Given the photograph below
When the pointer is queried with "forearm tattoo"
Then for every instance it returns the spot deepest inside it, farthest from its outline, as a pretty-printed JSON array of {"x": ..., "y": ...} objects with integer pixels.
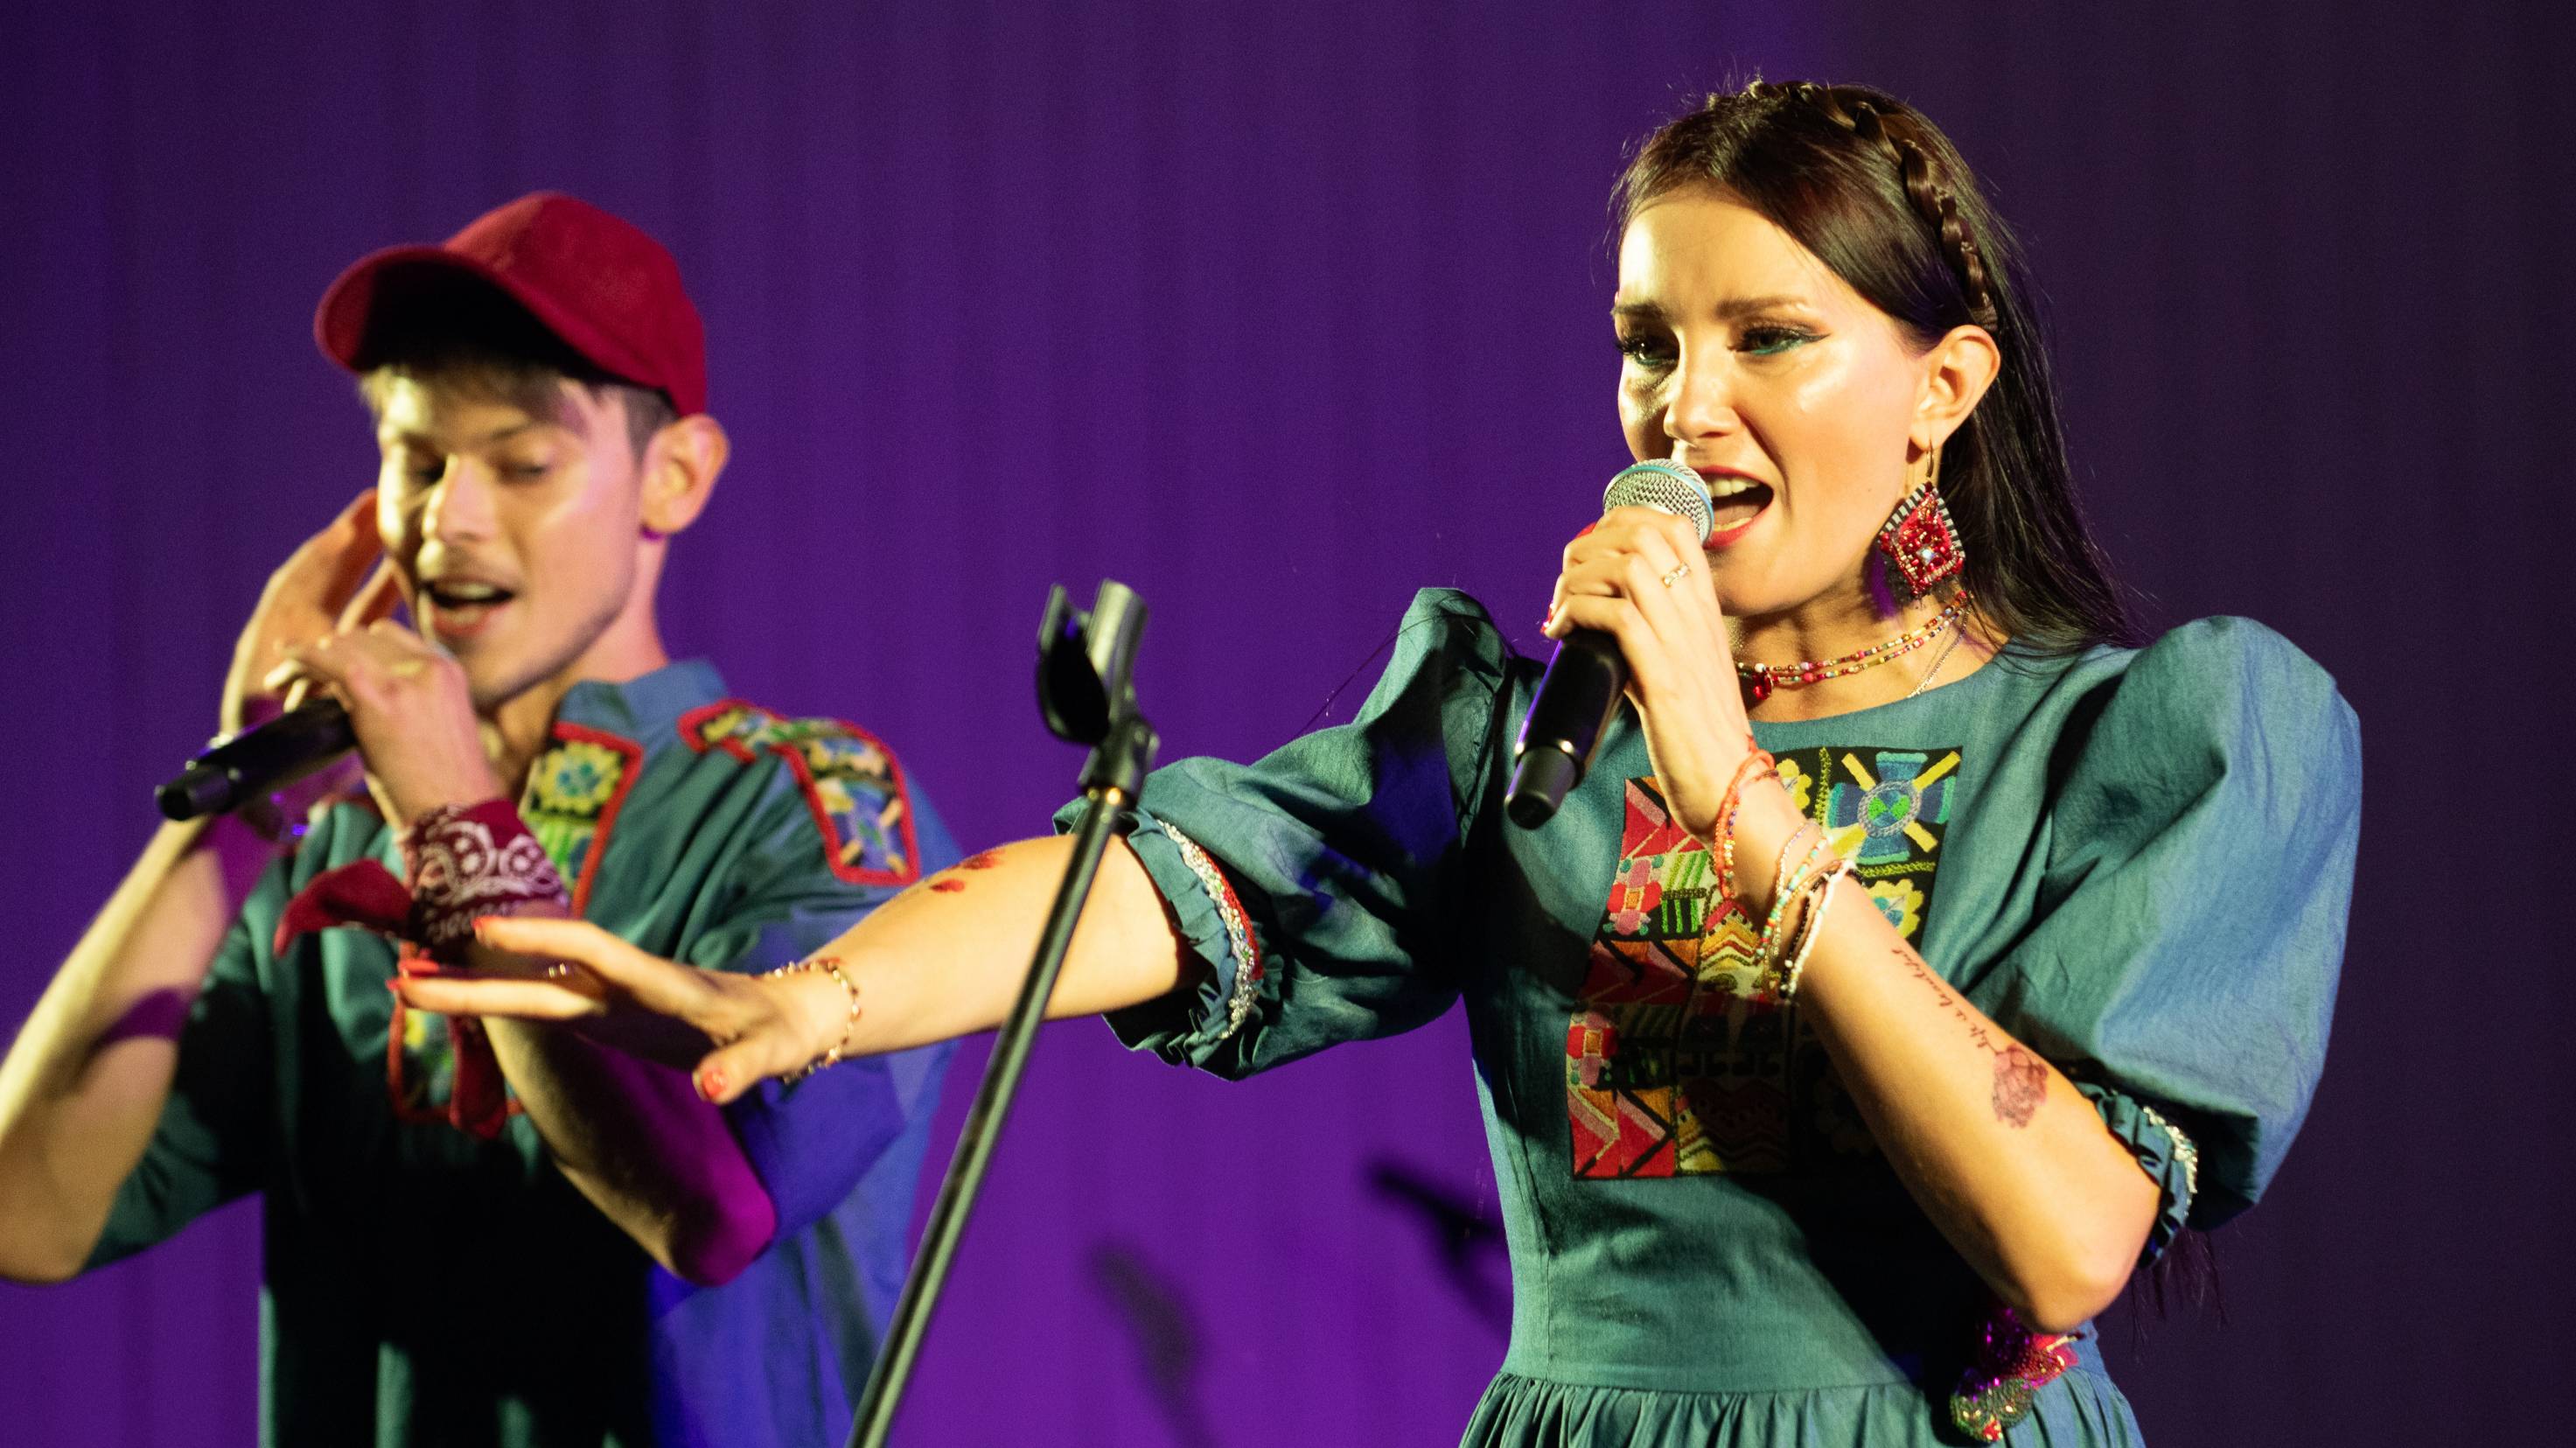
[
  {"x": 2021, "y": 1079},
  {"x": 948, "y": 882}
]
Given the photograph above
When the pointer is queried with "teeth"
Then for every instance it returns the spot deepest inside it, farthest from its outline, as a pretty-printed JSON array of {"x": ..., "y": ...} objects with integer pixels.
[{"x": 466, "y": 592}]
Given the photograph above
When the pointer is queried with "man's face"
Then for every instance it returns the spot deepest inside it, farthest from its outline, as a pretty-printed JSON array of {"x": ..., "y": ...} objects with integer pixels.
[{"x": 515, "y": 534}]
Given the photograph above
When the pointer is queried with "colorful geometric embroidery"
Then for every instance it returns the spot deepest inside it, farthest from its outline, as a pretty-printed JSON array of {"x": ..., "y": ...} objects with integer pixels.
[
  {"x": 1885, "y": 811},
  {"x": 1674, "y": 1066},
  {"x": 851, "y": 781},
  {"x": 573, "y": 794}
]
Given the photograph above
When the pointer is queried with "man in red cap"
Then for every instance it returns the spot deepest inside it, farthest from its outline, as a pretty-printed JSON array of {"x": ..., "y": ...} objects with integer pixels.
[{"x": 502, "y": 1234}]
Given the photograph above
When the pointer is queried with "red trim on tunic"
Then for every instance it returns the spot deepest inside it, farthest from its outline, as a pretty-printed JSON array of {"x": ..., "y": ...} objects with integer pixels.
[
  {"x": 633, "y": 754},
  {"x": 692, "y": 733}
]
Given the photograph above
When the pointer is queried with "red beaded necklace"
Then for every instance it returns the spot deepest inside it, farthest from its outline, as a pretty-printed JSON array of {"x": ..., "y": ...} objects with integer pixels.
[{"x": 1763, "y": 680}]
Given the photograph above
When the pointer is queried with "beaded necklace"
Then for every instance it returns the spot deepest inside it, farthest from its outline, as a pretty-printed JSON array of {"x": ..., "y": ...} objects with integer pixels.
[{"x": 1763, "y": 680}]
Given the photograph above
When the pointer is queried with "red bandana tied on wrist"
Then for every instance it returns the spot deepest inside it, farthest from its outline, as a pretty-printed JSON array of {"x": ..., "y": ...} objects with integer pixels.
[{"x": 464, "y": 861}]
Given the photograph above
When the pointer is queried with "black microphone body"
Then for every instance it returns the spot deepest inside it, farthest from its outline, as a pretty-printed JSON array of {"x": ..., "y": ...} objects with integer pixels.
[
  {"x": 1583, "y": 682},
  {"x": 247, "y": 765}
]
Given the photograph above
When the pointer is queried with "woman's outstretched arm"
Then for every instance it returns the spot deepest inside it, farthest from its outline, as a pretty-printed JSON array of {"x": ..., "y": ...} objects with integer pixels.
[{"x": 943, "y": 959}]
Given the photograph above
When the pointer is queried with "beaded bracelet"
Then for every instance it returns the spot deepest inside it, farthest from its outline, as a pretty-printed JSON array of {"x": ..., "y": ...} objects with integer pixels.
[
  {"x": 1785, "y": 988},
  {"x": 1780, "y": 862},
  {"x": 1784, "y": 896},
  {"x": 1745, "y": 773},
  {"x": 831, "y": 966}
]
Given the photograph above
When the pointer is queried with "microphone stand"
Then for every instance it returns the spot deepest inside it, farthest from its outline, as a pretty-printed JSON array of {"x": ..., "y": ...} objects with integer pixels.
[{"x": 1086, "y": 690}]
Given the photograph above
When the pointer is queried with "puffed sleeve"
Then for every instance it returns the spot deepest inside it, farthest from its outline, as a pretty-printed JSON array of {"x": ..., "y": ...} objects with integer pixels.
[
  {"x": 1317, "y": 886},
  {"x": 2198, "y": 874}
]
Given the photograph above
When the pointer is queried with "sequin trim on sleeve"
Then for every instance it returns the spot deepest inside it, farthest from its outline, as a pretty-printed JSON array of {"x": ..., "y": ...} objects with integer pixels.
[
  {"x": 2185, "y": 1150},
  {"x": 1238, "y": 929},
  {"x": 2013, "y": 1363}
]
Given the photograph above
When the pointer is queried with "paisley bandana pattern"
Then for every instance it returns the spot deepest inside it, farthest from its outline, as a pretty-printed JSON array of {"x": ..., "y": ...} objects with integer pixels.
[{"x": 464, "y": 862}]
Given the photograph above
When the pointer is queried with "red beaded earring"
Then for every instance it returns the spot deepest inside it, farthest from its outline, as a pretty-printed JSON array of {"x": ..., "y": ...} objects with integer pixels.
[{"x": 1919, "y": 545}]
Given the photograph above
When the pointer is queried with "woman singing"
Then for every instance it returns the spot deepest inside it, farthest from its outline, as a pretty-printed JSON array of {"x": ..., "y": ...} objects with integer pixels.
[{"x": 1917, "y": 955}]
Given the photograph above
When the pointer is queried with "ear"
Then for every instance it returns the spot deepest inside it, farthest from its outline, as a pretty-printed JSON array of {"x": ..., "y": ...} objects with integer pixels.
[
  {"x": 680, "y": 466},
  {"x": 1956, "y": 371}
]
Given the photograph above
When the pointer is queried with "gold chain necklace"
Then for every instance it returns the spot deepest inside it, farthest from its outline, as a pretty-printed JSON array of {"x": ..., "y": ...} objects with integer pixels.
[{"x": 1938, "y": 660}]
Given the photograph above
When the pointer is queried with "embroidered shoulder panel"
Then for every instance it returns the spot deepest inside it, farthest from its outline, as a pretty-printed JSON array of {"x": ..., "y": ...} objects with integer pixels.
[
  {"x": 852, "y": 782},
  {"x": 1673, "y": 1065}
]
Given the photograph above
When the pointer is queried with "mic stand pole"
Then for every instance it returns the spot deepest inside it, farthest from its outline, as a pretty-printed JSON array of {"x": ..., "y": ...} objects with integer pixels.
[{"x": 1087, "y": 693}]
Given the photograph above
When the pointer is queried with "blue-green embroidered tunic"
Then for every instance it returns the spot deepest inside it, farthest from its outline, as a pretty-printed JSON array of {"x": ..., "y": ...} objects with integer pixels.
[
  {"x": 2137, "y": 861},
  {"x": 425, "y": 1287}
]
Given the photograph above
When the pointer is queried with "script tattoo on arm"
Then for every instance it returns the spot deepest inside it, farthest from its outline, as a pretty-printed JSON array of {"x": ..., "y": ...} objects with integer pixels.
[{"x": 2021, "y": 1079}]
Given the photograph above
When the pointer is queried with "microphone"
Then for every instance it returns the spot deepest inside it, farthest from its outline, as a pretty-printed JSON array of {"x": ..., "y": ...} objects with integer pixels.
[
  {"x": 244, "y": 766},
  {"x": 1584, "y": 679}
]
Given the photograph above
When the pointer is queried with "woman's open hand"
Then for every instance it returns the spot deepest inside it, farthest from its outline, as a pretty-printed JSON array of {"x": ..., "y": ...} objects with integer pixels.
[
  {"x": 1640, "y": 576},
  {"x": 571, "y": 972}
]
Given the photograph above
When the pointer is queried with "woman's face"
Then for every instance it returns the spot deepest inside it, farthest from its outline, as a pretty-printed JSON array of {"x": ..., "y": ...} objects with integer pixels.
[{"x": 1746, "y": 358}]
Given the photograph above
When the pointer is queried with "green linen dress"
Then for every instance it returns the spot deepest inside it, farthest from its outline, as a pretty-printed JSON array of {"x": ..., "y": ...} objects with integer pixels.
[{"x": 2139, "y": 862}]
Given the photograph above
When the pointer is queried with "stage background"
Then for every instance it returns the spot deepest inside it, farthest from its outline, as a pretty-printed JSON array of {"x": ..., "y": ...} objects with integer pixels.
[{"x": 1277, "y": 313}]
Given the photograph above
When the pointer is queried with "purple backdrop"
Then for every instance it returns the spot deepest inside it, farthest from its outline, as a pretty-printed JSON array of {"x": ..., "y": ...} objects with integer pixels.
[{"x": 1276, "y": 313}]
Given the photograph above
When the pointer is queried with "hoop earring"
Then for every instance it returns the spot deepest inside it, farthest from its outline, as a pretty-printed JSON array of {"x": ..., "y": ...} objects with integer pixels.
[{"x": 1919, "y": 546}]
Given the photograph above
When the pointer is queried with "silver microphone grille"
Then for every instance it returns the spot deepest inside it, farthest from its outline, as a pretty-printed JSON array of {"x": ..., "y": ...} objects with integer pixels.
[{"x": 1666, "y": 487}]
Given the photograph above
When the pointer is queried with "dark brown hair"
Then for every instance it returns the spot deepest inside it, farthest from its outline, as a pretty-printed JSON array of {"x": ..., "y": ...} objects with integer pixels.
[
  {"x": 441, "y": 328},
  {"x": 1879, "y": 195}
]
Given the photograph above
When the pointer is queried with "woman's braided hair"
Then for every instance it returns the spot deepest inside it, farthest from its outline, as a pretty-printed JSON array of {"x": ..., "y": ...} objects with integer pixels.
[{"x": 1877, "y": 193}]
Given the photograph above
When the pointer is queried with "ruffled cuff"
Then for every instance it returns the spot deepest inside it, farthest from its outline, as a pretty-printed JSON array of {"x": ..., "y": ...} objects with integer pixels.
[
  {"x": 2164, "y": 1153},
  {"x": 1188, "y": 1026}
]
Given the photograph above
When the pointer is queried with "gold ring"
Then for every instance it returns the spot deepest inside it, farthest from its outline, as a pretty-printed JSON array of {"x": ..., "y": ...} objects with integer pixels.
[{"x": 1680, "y": 572}]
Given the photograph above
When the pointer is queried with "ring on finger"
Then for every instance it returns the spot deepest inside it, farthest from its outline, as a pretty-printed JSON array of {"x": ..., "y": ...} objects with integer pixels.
[
  {"x": 559, "y": 970},
  {"x": 1678, "y": 572}
]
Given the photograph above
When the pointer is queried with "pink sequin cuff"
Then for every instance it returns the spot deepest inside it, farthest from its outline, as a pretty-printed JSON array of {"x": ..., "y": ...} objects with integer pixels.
[{"x": 2013, "y": 1364}]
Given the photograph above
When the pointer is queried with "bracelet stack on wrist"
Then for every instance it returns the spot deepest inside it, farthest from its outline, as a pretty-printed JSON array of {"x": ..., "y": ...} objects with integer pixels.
[
  {"x": 831, "y": 966},
  {"x": 1757, "y": 763},
  {"x": 1779, "y": 957},
  {"x": 1784, "y": 986}
]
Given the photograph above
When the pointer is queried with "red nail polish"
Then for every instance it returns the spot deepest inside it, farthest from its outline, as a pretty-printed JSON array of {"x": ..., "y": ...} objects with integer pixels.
[{"x": 710, "y": 1084}]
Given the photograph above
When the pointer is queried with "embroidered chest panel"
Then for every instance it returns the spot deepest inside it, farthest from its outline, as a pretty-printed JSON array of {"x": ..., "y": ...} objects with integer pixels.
[{"x": 1672, "y": 1066}]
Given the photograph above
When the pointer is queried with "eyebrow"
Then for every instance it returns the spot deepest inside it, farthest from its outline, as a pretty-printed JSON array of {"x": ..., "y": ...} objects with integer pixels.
[
  {"x": 410, "y": 435},
  {"x": 1727, "y": 310}
]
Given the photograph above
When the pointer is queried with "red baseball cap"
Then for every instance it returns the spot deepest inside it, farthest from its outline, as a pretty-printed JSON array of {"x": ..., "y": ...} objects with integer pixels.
[{"x": 609, "y": 291}]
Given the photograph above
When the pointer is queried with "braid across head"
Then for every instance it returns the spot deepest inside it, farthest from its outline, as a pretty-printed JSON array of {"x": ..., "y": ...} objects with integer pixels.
[
  {"x": 1878, "y": 194},
  {"x": 1899, "y": 134},
  {"x": 1934, "y": 201}
]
